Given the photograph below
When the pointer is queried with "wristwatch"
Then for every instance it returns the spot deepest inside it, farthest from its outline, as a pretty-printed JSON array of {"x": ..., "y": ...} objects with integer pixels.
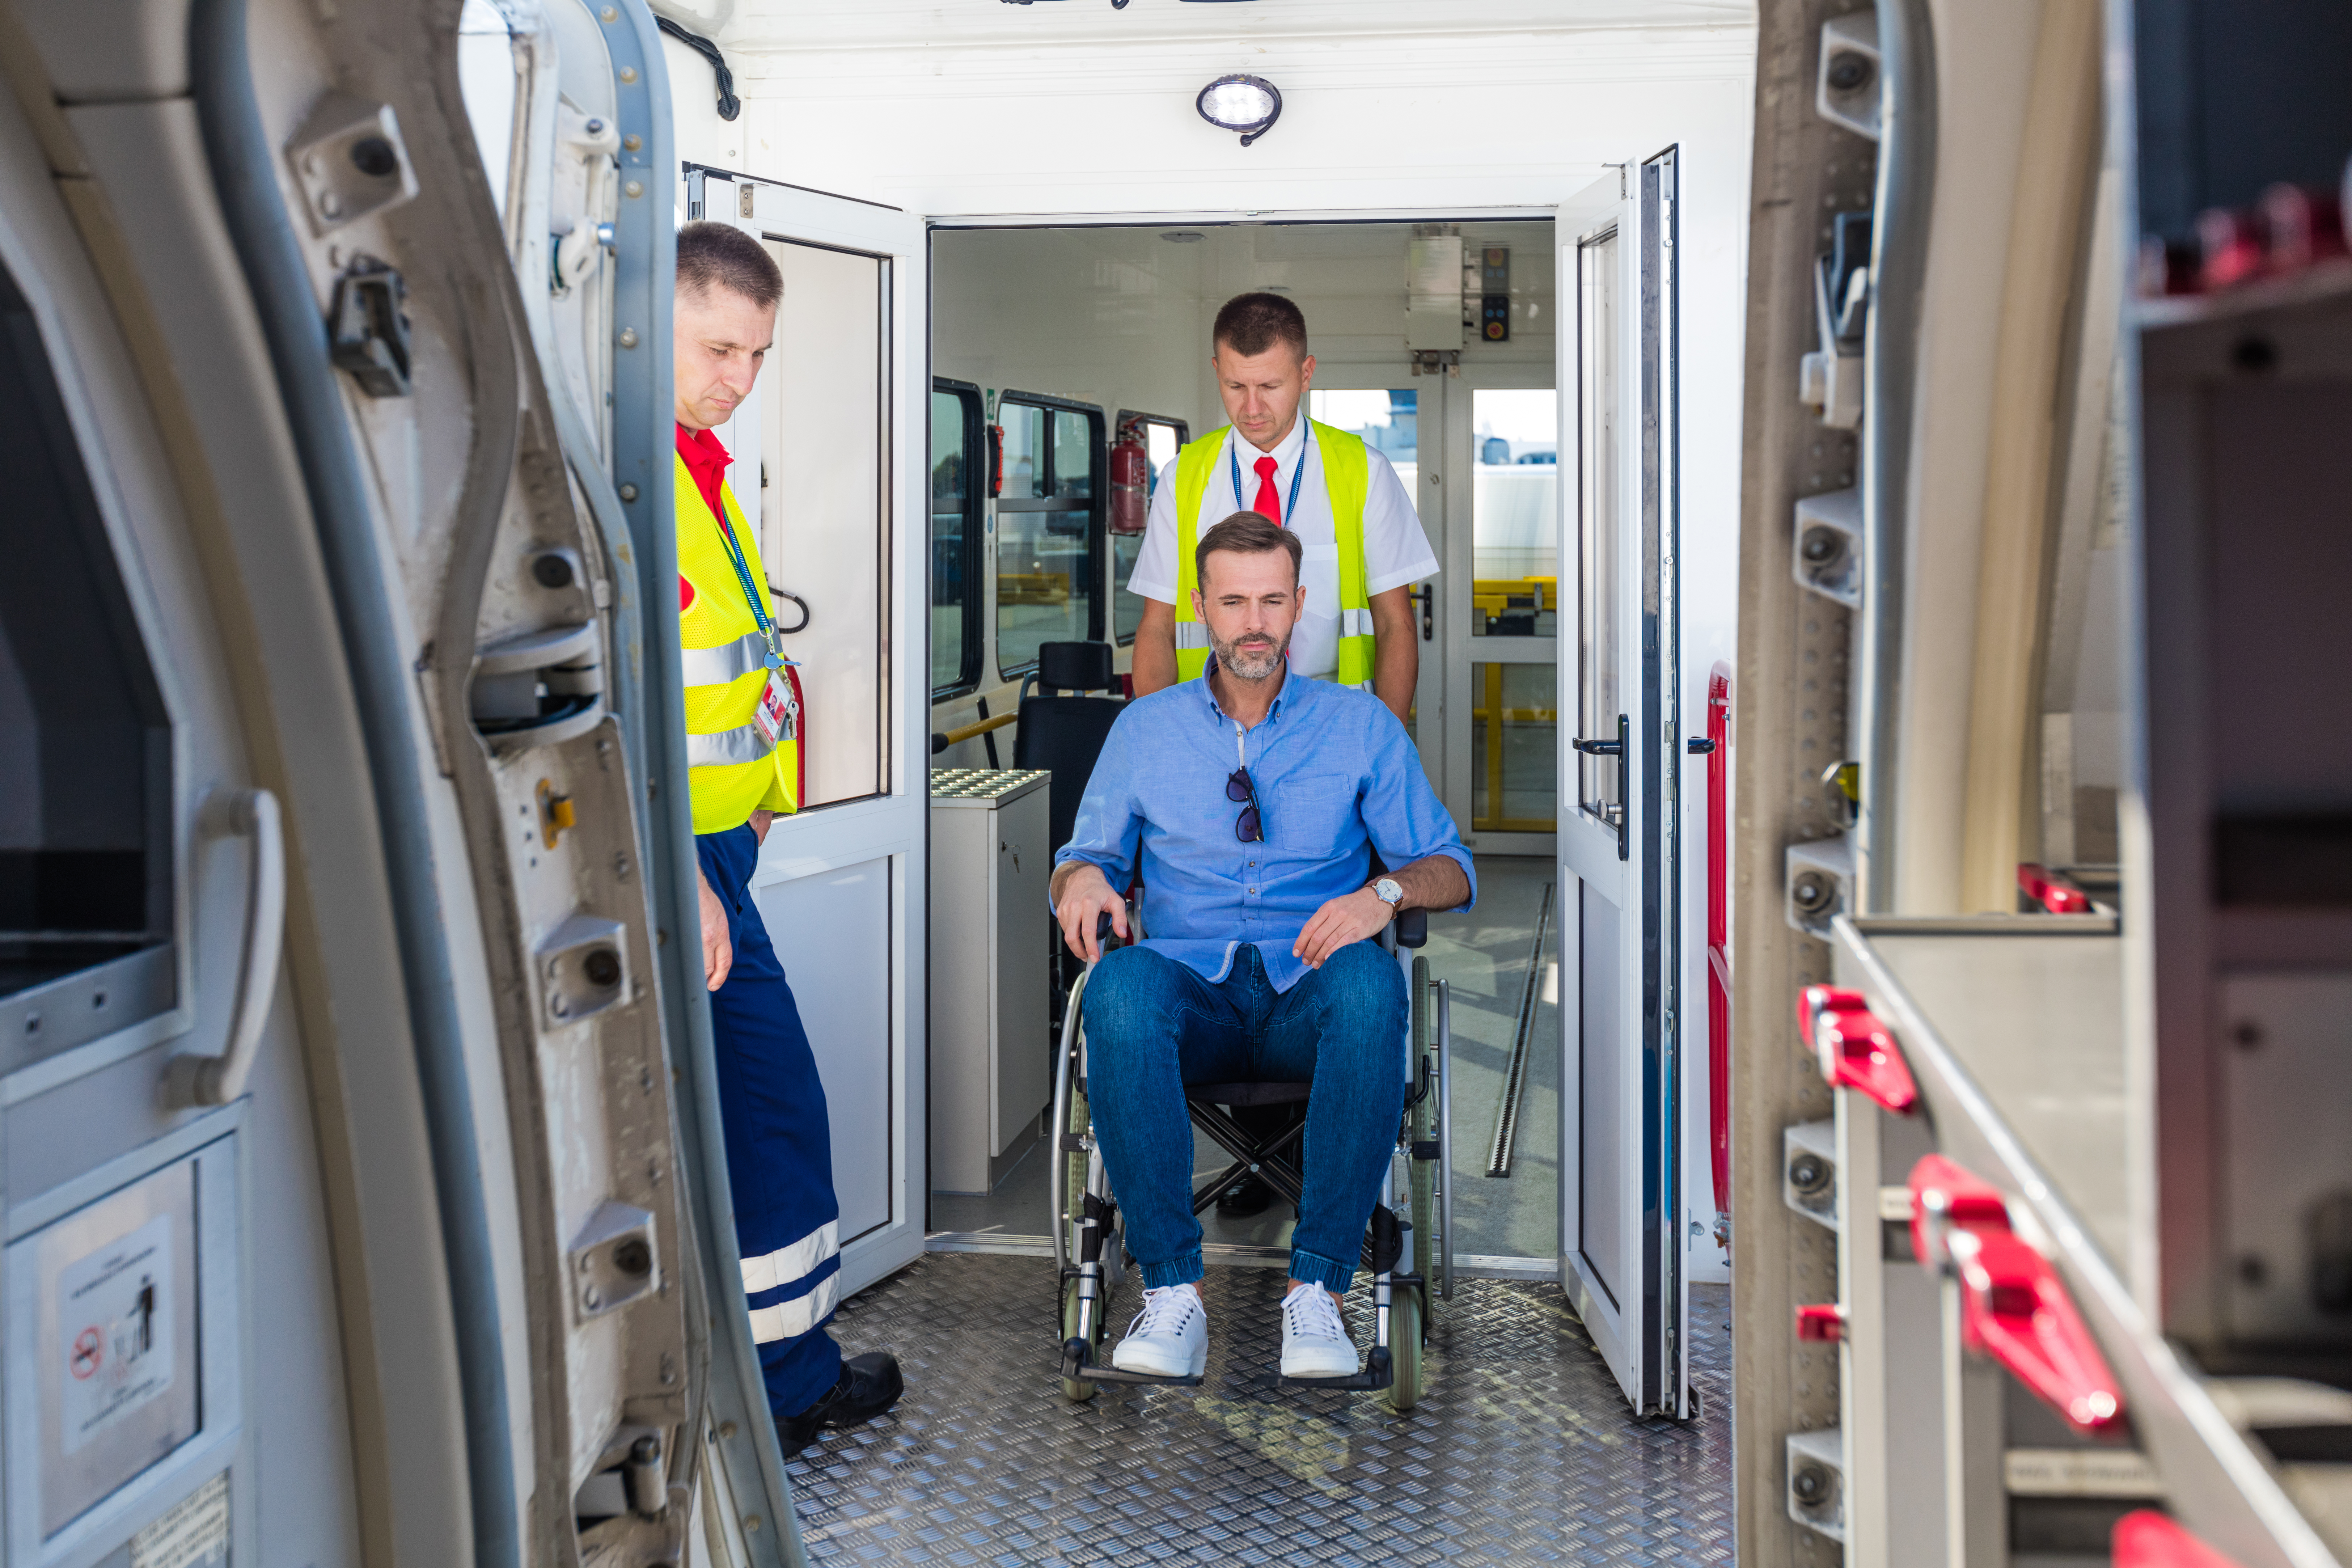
[{"x": 1389, "y": 892}]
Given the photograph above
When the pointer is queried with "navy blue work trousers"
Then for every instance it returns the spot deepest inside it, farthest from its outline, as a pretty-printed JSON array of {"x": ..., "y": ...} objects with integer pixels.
[{"x": 779, "y": 1146}]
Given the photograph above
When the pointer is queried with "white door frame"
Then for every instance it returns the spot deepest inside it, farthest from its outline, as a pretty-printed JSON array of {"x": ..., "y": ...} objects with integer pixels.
[
  {"x": 1630, "y": 868},
  {"x": 893, "y": 826}
]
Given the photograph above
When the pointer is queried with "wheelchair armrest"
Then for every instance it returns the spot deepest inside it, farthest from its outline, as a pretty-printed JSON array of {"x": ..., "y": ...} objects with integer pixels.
[
  {"x": 1106, "y": 938},
  {"x": 1411, "y": 927}
]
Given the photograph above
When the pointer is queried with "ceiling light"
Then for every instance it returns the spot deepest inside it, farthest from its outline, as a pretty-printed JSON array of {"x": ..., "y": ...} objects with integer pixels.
[
  {"x": 1183, "y": 236},
  {"x": 1249, "y": 104}
]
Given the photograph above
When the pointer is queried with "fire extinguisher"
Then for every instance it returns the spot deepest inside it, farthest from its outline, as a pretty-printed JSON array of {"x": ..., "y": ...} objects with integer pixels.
[{"x": 1130, "y": 482}]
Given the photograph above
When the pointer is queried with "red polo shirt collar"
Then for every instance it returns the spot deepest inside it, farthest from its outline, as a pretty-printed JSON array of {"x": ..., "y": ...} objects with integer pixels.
[{"x": 707, "y": 460}]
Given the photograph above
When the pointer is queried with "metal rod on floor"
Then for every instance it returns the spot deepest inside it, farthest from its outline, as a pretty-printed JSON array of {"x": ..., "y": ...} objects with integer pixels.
[
  {"x": 1445, "y": 1138},
  {"x": 1515, "y": 1075}
]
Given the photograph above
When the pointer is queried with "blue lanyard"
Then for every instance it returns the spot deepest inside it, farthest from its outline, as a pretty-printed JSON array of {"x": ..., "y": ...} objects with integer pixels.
[
  {"x": 750, "y": 594},
  {"x": 1289, "y": 506}
]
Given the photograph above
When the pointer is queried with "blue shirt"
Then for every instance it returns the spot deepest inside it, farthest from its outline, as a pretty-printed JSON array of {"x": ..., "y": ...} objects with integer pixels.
[{"x": 1336, "y": 777}]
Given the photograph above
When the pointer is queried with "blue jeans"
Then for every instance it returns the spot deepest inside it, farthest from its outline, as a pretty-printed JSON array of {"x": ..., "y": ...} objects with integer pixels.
[{"x": 1154, "y": 1026}]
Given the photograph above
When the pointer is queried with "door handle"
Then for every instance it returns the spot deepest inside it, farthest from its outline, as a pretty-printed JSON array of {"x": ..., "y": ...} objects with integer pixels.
[
  {"x": 1616, "y": 748},
  {"x": 1427, "y": 594},
  {"x": 795, "y": 598},
  {"x": 192, "y": 1080}
]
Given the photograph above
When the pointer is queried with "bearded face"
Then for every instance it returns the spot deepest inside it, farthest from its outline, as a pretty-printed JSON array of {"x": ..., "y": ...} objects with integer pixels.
[{"x": 1252, "y": 656}]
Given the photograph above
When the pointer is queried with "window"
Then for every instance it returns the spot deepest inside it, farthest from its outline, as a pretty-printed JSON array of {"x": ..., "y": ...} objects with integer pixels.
[
  {"x": 1599, "y": 701},
  {"x": 1048, "y": 520},
  {"x": 85, "y": 787},
  {"x": 827, "y": 528},
  {"x": 958, "y": 465},
  {"x": 1515, "y": 512},
  {"x": 1388, "y": 421},
  {"x": 1161, "y": 439}
]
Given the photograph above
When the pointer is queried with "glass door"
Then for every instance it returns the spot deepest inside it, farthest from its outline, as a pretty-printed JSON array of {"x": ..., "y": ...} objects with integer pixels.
[
  {"x": 1619, "y": 1261},
  {"x": 848, "y": 529},
  {"x": 1508, "y": 637}
]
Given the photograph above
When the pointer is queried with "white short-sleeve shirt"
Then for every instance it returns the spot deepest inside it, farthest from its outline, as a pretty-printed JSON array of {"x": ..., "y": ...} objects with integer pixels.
[{"x": 1396, "y": 552}]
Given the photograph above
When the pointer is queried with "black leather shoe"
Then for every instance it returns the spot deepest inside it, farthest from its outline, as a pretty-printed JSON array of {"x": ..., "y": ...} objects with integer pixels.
[
  {"x": 1245, "y": 1197},
  {"x": 868, "y": 1386}
]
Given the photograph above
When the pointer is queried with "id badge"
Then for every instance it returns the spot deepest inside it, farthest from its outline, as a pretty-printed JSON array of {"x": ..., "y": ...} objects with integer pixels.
[{"x": 777, "y": 709}]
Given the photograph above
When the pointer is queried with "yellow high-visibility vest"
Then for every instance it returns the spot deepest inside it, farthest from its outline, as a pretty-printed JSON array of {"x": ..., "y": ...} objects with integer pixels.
[
  {"x": 733, "y": 771},
  {"x": 1347, "y": 480}
]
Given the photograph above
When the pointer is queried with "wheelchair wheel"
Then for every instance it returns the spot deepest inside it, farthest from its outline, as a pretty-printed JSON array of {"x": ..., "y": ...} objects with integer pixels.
[
  {"x": 1073, "y": 1390},
  {"x": 1405, "y": 1351}
]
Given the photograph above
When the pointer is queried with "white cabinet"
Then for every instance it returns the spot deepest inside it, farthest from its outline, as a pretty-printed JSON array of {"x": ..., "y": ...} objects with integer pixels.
[{"x": 990, "y": 867}]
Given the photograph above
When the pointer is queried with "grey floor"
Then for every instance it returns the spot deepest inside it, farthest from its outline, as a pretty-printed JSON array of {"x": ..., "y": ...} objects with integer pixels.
[
  {"x": 1484, "y": 957},
  {"x": 1521, "y": 1451}
]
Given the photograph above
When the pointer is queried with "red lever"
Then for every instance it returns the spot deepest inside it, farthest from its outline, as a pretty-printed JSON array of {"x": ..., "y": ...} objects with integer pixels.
[
  {"x": 2013, "y": 1306},
  {"x": 2051, "y": 893},
  {"x": 1855, "y": 1049},
  {"x": 2234, "y": 246},
  {"x": 2146, "y": 1539},
  {"x": 1824, "y": 1322}
]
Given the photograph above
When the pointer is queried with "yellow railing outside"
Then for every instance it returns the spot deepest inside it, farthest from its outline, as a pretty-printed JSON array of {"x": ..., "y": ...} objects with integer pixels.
[
  {"x": 1033, "y": 587},
  {"x": 1494, "y": 821}
]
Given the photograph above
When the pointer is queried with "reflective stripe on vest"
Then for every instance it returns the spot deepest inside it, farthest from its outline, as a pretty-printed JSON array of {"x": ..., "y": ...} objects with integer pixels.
[
  {"x": 1347, "y": 482},
  {"x": 726, "y": 664},
  {"x": 732, "y": 771}
]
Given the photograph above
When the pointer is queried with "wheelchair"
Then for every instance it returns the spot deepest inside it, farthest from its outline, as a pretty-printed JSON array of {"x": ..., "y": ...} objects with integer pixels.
[{"x": 1412, "y": 1221}]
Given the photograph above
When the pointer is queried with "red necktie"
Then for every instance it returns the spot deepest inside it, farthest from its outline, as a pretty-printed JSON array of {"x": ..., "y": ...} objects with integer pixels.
[{"x": 1269, "y": 503}]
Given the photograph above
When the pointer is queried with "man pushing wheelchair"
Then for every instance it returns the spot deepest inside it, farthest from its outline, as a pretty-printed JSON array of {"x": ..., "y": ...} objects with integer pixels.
[{"x": 1251, "y": 801}]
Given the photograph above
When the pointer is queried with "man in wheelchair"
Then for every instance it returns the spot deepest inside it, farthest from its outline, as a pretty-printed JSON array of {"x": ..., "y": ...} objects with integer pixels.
[{"x": 1251, "y": 801}]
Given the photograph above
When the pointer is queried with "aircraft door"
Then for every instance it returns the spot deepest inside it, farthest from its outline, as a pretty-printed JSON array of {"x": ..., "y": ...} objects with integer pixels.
[
  {"x": 1620, "y": 1257},
  {"x": 844, "y": 436},
  {"x": 154, "y": 1101}
]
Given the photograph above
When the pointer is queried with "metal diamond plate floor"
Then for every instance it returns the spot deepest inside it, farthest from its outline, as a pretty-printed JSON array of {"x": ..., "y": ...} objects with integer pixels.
[{"x": 1521, "y": 1452}]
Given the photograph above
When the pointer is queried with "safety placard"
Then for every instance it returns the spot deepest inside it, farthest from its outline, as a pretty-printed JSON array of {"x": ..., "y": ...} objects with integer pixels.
[
  {"x": 114, "y": 1307},
  {"x": 194, "y": 1533}
]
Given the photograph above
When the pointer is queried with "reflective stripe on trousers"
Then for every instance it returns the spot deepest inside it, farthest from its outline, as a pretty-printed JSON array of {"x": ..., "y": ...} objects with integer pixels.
[
  {"x": 790, "y": 1320},
  {"x": 787, "y": 1264}
]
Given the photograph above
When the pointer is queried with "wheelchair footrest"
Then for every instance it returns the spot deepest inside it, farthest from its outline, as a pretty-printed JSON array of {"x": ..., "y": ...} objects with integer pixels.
[
  {"x": 1078, "y": 1364},
  {"x": 1380, "y": 1372}
]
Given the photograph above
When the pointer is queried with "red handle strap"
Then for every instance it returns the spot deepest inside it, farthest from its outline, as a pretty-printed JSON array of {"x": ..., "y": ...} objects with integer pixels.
[
  {"x": 2146, "y": 1539},
  {"x": 2013, "y": 1306},
  {"x": 1821, "y": 1322},
  {"x": 2057, "y": 897},
  {"x": 1855, "y": 1050}
]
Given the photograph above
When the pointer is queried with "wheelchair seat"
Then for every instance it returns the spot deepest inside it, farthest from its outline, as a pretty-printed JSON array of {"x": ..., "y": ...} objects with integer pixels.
[{"x": 1238, "y": 1095}]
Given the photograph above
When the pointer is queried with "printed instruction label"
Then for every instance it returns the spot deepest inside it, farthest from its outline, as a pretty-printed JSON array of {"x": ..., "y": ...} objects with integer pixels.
[
  {"x": 195, "y": 1532},
  {"x": 115, "y": 1309}
]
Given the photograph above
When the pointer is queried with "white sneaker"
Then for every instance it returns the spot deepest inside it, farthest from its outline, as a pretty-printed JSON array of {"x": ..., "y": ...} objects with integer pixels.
[
  {"x": 1315, "y": 1341},
  {"x": 1170, "y": 1338}
]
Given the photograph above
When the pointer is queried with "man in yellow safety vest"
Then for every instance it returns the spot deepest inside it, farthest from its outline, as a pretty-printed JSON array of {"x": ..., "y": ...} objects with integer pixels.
[
  {"x": 1361, "y": 540},
  {"x": 1361, "y": 548},
  {"x": 742, "y": 735}
]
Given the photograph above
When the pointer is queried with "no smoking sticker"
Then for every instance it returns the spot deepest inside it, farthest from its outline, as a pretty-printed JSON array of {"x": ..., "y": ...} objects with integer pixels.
[{"x": 116, "y": 1305}]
